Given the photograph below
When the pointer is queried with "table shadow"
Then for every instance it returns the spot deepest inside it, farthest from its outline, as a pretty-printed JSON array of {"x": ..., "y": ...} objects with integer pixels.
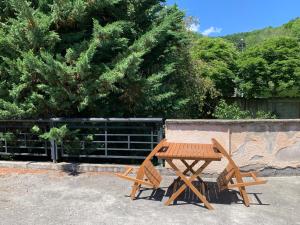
[{"x": 211, "y": 192}]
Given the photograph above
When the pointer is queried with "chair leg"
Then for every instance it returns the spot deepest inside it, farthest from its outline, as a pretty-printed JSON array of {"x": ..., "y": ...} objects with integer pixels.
[
  {"x": 134, "y": 189},
  {"x": 244, "y": 196},
  {"x": 242, "y": 189},
  {"x": 136, "y": 185}
]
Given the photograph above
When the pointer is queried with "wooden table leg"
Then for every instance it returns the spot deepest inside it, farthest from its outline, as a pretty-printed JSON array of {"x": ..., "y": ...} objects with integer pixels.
[
  {"x": 182, "y": 188},
  {"x": 190, "y": 168},
  {"x": 188, "y": 183}
]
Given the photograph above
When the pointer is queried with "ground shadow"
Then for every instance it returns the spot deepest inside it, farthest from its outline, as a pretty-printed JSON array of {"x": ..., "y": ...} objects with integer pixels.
[
  {"x": 211, "y": 192},
  {"x": 72, "y": 169},
  {"x": 155, "y": 195}
]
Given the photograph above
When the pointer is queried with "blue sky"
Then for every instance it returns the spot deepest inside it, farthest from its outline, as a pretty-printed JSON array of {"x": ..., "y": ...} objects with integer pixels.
[{"x": 222, "y": 17}]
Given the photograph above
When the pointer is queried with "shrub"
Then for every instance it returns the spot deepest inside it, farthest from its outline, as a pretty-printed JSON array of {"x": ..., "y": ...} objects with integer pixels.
[{"x": 233, "y": 111}]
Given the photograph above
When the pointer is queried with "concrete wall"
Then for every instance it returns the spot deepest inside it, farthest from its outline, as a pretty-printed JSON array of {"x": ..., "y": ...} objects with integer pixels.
[{"x": 270, "y": 146}]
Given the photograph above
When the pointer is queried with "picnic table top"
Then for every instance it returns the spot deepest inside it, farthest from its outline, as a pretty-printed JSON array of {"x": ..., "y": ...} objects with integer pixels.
[{"x": 188, "y": 151}]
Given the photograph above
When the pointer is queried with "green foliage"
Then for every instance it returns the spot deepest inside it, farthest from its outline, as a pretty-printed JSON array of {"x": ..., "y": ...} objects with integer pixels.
[
  {"x": 271, "y": 69},
  {"x": 120, "y": 58},
  {"x": 56, "y": 133},
  {"x": 35, "y": 129},
  {"x": 92, "y": 58},
  {"x": 215, "y": 59},
  {"x": 7, "y": 157},
  {"x": 226, "y": 111},
  {"x": 70, "y": 140},
  {"x": 264, "y": 115},
  {"x": 233, "y": 111},
  {"x": 269, "y": 64},
  {"x": 290, "y": 29},
  {"x": 7, "y": 136}
]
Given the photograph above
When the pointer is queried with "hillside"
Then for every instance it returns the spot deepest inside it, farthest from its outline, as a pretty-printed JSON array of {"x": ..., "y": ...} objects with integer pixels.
[{"x": 290, "y": 29}]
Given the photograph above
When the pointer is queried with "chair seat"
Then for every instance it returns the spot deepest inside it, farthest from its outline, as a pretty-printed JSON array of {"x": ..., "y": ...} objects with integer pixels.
[
  {"x": 232, "y": 177},
  {"x": 146, "y": 174},
  {"x": 152, "y": 174}
]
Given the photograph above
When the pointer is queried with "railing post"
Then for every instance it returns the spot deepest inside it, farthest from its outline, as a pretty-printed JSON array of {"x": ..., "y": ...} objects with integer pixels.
[
  {"x": 128, "y": 141},
  {"x": 54, "y": 151},
  {"x": 5, "y": 143},
  {"x": 105, "y": 144},
  {"x": 159, "y": 138}
]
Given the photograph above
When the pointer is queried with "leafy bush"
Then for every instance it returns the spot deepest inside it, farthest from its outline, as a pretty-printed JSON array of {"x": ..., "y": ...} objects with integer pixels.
[
  {"x": 233, "y": 111},
  {"x": 57, "y": 134},
  {"x": 100, "y": 58},
  {"x": 264, "y": 115},
  {"x": 70, "y": 140}
]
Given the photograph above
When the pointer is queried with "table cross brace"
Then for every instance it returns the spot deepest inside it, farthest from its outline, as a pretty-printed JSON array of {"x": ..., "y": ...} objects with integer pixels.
[{"x": 188, "y": 183}]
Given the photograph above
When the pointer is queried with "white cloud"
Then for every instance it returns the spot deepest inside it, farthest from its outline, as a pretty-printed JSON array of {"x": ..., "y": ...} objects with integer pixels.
[
  {"x": 194, "y": 27},
  {"x": 211, "y": 30}
]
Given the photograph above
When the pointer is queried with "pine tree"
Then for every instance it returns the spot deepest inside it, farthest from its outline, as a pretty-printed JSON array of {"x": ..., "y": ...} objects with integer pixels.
[{"x": 91, "y": 58}]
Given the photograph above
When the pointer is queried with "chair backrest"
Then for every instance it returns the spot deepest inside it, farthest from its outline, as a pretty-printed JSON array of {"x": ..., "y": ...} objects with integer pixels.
[
  {"x": 218, "y": 147},
  {"x": 155, "y": 150},
  {"x": 148, "y": 168},
  {"x": 151, "y": 173},
  {"x": 232, "y": 170}
]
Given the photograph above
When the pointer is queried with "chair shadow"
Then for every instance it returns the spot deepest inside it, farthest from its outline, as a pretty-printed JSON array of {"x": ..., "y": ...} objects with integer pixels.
[
  {"x": 155, "y": 195},
  {"x": 211, "y": 192}
]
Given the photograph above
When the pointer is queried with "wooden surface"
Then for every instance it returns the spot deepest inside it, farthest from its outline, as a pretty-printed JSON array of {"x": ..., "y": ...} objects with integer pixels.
[
  {"x": 152, "y": 174},
  {"x": 233, "y": 171},
  {"x": 146, "y": 170},
  {"x": 188, "y": 151}
]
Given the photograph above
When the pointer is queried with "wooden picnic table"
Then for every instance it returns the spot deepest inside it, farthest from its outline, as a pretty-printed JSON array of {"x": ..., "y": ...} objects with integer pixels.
[{"x": 188, "y": 152}]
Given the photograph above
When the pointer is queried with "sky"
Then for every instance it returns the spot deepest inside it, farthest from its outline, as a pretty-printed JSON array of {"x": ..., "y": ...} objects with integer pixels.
[{"x": 222, "y": 17}]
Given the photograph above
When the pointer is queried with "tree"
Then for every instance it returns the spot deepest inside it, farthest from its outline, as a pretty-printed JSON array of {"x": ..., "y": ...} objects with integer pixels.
[
  {"x": 271, "y": 69},
  {"x": 293, "y": 27},
  {"x": 215, "y": 59},
  {"x": 92, "y": 58},
  {"x": 250, "y": 39}
]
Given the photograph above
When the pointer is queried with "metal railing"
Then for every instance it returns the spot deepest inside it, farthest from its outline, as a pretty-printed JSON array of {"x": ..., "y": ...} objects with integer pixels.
[
  {"x": 16, "y": 138},
  {"x": 111, "y": 138}
]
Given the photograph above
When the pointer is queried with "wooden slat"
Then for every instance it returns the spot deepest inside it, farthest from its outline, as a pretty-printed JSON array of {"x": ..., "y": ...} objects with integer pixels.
[
  {"x": 185, "y": 151},
  {"x": 192, "y": 149},
  {"x": 152, "y": 174},
  {"x": 189, "y": 151},
  {"x": 181, "y": 151},
  {"x": 202, "y": 149},
  {"x": 195, "y": 149},
  {"x": 170, "y": 150},
  {"x": 177, "y": 149},
  {"x": 208, "y": 151}
]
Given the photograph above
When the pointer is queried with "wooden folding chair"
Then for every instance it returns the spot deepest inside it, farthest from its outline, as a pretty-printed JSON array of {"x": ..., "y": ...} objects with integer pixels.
[
  {"x": 146, "y": 174},
  {"x": 226, "y": 178}
]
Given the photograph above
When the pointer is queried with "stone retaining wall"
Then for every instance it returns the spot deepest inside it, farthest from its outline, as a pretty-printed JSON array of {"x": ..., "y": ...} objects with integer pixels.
[{"x": 270, "y": 146}]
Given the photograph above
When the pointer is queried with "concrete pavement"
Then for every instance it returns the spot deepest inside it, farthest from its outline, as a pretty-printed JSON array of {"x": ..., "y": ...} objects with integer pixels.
[{"x": 50, "y": 197}]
